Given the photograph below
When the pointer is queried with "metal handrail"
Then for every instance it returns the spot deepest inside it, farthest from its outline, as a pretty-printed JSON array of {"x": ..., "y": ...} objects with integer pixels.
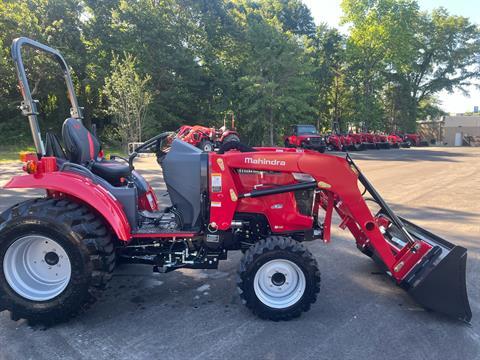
[{"x": 29, "y": 106}]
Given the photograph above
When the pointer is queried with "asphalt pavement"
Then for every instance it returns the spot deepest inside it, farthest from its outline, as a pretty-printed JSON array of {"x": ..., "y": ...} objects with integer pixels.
[{"x": 360, "y": 314}]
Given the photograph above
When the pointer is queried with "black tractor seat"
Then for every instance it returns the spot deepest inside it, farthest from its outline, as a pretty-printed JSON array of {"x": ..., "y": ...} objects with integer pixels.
[
  {"x": 110, "y": 170},
  {"x": 82, "y": 148}
]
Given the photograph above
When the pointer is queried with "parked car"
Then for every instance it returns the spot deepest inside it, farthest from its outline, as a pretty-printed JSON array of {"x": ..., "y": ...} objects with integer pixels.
[{"x": 305, "y": 136}]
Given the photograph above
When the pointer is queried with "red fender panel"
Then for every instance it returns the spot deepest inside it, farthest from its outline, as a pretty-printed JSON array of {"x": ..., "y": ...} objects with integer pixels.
[{"x": 83, "y": 189}]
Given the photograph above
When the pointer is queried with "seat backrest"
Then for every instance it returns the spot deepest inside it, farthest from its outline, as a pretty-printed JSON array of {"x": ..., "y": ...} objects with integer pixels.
[
  {"x": 80, "y": 145},
  {"x": 53, "y": 146}
]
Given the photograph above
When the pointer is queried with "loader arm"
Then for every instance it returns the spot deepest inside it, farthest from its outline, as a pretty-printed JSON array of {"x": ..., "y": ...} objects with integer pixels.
[{"x": 331, "y": 173}]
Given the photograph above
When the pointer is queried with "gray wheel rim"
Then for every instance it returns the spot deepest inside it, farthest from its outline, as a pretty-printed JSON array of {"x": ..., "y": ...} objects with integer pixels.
[
  {"x": 37, "y": 268},
  {"x": 279, "y": 295},
  {"x": 207, "y": 147}
]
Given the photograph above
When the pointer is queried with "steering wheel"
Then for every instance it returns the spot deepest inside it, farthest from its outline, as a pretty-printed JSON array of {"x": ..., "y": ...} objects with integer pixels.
[{"x": 161, "y": 142}]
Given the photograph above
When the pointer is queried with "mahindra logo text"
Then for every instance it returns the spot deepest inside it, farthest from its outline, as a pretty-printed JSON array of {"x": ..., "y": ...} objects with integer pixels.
[{"x": 274, "y": 162}]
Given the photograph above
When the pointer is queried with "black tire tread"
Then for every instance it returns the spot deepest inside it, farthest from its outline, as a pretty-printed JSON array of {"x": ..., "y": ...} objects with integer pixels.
[
  {"x": 281, "y": 243},
  {"x": 86, "y": 225},
  {"x": 231, "y": 137}
]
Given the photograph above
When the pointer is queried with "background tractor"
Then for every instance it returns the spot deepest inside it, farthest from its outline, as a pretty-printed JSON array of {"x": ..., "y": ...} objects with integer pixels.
[{"x": 207, "y": 139}]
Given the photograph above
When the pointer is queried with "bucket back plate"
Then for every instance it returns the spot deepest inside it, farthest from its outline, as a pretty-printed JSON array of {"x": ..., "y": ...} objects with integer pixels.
[{"x": 438, "y": 282}]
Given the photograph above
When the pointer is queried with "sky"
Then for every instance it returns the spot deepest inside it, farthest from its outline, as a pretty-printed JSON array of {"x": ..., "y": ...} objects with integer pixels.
[{"x": 329, "y": 11}]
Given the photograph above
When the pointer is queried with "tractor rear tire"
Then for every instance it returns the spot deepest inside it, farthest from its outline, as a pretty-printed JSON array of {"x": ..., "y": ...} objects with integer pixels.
[
  {"x": 231, "y": 137},
  {"x": 278, "y": 278},
  {"x": 55, "y": 255}
]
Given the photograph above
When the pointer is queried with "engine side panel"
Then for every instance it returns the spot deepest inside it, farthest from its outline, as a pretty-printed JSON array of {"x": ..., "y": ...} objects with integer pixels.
[{"x": 182, "y": 172}]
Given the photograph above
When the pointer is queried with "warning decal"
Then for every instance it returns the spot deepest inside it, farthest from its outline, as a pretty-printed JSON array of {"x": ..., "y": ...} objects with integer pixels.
[{"x": 216, "y": 182}]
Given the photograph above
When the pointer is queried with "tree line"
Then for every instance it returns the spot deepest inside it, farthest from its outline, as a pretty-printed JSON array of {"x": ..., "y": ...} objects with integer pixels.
[{"x": 194, "y": 61}]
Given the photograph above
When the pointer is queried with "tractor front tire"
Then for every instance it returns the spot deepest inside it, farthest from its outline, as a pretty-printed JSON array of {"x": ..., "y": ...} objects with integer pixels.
[
  {"x": 278, "y": 278},
  {"x": 55, "y": 255},
  {"x": 206, "y": 146}
]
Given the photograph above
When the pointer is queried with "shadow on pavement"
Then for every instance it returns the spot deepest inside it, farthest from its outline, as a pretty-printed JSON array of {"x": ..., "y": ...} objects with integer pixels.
[{"x": 416, "y": 154}]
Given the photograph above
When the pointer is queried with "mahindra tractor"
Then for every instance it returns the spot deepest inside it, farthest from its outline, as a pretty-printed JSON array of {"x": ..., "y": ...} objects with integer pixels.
[
  {"x": 413, "y": 139},
  {"x": 306, "y": 137},
  {"x": 356, "y": 141},
  {"x": 207, "y": 139},
  {"x": 382, "y": 141},
  {"x": 59, "y": 250},
  {"x": 397, "y": 141},
  {"x": 335, "y": 143}
]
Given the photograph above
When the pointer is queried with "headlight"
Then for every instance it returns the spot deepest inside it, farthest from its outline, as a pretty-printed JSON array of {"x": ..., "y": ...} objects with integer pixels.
[{"x": 308, "y": 139}]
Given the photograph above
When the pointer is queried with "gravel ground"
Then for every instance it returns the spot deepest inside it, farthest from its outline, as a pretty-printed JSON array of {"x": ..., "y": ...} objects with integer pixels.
[{"x": 360, "y": 314}]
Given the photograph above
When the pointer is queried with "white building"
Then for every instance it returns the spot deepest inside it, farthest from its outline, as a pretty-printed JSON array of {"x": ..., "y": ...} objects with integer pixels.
[{"x": 463, "y": 129}]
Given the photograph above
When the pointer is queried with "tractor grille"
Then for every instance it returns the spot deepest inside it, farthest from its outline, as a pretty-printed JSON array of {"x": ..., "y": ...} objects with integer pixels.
[
  {"x": 315, "y": 141},
  {"x": 304, "y": 199}
]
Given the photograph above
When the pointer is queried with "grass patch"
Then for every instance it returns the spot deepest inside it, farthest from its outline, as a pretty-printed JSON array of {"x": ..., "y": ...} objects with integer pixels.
[{"x": 12, "y": 153}]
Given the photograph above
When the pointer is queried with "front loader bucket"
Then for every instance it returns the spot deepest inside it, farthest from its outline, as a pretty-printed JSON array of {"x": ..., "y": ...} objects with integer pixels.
[{"x": 438, "y": 281}]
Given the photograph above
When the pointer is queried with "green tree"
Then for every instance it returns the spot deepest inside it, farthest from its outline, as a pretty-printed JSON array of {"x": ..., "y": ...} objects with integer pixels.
[
  {"x": 328, "y": 57},
  {"x": 128, "y": 97},
  {"x": 445, "y": 57},
  {"x": 274, "y": 88},
  {"x": 398, "y": 51}
]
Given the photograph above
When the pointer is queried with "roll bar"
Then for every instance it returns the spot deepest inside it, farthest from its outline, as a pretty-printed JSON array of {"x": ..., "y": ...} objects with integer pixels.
[{"x": 29, "y": 105}]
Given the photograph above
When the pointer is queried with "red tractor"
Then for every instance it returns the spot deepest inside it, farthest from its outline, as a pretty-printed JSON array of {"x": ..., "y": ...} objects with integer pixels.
[
  {"x": 369, "y": 140},
  {"x": 335, "y": 143},
  {"x": 397, "y": 141},
  {"x": 306, "y": 137},
  {"x": 356, "y": 141},
  {"x": 59, "y": 250},
  {"x": 343, "y": 142},
  {"x": 382, "y": 141},
  {"x": 205, "y": 138},
  {"x": 414, "y": 139}
]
